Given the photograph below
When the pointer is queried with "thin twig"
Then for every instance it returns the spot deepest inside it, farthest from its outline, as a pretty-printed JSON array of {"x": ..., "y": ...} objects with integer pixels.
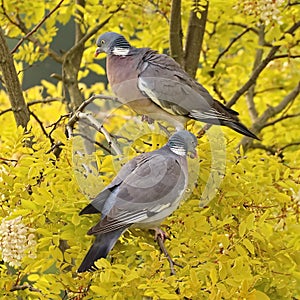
[
  {"x": 158, "y": 10},
  {"x": 258, "y": 58},
  {"x": 36, "y": 27},
  {"x": 228, "y": 48},
  {"x": 7, "y": 16},
  {"x": 42, "y": 101},
  {"x": 32, "y": 103},
  {"x": 280, "y": 119},
  {"x": 42, "y": 126},
  {"x": 93, "y": 142},
  {"x": 269, "y": 89},
  {"x": 290, "y": 145},
  {"x": 8, "y": 160},
  {"x": 84, "y": 104},
  {"x": 270, "y": 112},
  {"x": 55, "y": 124},
  {"x": 24, "y": 287},
  {"x": 260, "y": 67},
  {"x": 99, "y": 127},
  {"x": 269, "y": 149},
  {"x": 94, "y": 30},
  {"x": 285, "y": 56},
  {"x": 243, "y": 26}
]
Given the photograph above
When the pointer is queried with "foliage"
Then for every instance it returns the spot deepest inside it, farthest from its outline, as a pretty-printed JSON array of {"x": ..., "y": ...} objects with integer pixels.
[{"x": 244, "y": 244}]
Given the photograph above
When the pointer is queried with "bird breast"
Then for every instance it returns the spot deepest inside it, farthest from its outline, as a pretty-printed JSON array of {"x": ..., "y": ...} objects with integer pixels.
[{"x": 122, "y": 75}]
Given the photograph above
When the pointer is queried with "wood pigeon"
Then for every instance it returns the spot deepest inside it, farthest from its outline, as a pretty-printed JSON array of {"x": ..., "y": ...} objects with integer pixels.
[
  {"x": 146, "y": 190},
  {"x": 155, "y": 85}
]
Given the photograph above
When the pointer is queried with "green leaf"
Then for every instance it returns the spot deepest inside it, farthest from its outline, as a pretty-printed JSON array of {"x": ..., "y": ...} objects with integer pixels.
[
  {"x": 242, "y": 228},
  {"x": 249, "y": 246},
  {"x": 99, "y": 291}
]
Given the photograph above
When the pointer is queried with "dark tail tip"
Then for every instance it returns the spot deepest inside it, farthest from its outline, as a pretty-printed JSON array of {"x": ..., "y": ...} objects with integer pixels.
[
  {"x": 242, "y": 129},
  {"x": 103, "y": 244}
]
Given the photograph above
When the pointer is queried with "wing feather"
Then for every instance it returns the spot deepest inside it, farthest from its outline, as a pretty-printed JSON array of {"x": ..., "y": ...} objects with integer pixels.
[{"x": 148, "y": 193}]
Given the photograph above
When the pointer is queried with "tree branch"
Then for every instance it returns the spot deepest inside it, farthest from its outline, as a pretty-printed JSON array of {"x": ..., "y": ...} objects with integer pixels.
[
  {"x": 258, "y": 57},
  {"x": 91, "y": 121},
  {"x": 20, "y": 24},
  {"x": 270, "y": 112},
  {"x": 281, "y": 119},
  {"x": 176, "y": 49},
  {"x": 84, "y": 104},
  {"x": 72, "y": 60},
  {"x": 24, "y": 287},
  {"x": 222, "y": 53},
  {"x": 36, "y": 27},
  {"x": 260, "y": 68},
  {"x": 194, "y": 40},
  {"x": 158, "y": 10},
  {"x": 290, "y": 145},
  {"x": 94, "y": 30},
  {"x": 48, "y": 100},
  {"x": 285, "y": 56},
  {"x": 42, "y": 127},
  {"x": 243, "y": 26},
  {"x": 12, "y": 84}
]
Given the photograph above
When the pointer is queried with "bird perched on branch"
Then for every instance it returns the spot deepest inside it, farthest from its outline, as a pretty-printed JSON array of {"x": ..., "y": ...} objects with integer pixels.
[
  {"x": 155, "y": 85},
  {"x": 146, "y": 190}
]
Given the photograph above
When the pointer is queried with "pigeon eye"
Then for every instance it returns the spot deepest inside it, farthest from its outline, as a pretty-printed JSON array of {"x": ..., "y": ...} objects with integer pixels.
[{"x": 102, "y": 42}]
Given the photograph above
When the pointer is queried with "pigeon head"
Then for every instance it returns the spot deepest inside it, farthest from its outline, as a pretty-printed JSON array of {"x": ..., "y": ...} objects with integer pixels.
[
  {"x": 112, "y": 43},
  {"x": 183, "y": 142}
]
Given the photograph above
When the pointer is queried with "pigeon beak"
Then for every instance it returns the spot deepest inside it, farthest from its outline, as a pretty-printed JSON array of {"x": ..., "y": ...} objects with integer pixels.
[
  {"x": 193, "y": 154},
  {"x": 98, "y": 51}
]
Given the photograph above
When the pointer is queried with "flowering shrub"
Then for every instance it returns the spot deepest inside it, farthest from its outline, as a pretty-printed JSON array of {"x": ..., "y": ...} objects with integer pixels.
[{"x": 16, "y": 241}]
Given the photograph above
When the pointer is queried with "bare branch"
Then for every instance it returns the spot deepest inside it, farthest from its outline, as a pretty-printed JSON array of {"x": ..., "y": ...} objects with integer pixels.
[
  {"x": 92, "y": 121},
  {"x": 36, "y": 27},
  {"x": 281, "y": 119},
  {"x": 93, "y": 142},
  {"x": 24, "y": 287},
  {"x": 158, "y": 10},
  {"x": 42, "y": 127},
  {"x": 194, "y": 40},
  {"x": 270, "y": 112},
  {"x": 84, "y": 104},
  {"x": 176, "y": 49},
  {"x": 290, "y": 145},
  {"x": 285, "y": 56},
  {"x": 94, "y": 30},
  {"x": 269, "y": 149},
  {"x": 12, "y": 84},
  {"x": 7, "y": 15},
  {"x": 222, "y": 53},
  {"x": 260, "y": 68},
  {"x": 48, "y": 100},
  {"x": 269, "y": 89},
  {"x": 99, "y": 127},
  {"x": 258, "y": 57},
  {"x": 71, "y": 64},
  {"x": 243, "y": 26}
]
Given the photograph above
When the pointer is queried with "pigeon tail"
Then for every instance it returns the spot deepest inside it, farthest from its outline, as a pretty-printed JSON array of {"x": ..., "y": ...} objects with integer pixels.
[
  {"x": 103, "y": 244},
  {"x": 234, "y": 123},
  {"x": 89, "y": 209},
  {"x": 240, "y": 128}
]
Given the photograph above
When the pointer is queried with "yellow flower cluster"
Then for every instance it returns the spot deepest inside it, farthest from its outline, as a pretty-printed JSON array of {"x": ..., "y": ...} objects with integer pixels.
[{"x": 16, "y": 241}]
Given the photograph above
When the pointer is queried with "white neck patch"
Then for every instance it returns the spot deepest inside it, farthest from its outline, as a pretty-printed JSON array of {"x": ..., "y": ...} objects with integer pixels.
[
  {"x": 120, "y": 51},
  {"x": 178, "y": 150}
]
